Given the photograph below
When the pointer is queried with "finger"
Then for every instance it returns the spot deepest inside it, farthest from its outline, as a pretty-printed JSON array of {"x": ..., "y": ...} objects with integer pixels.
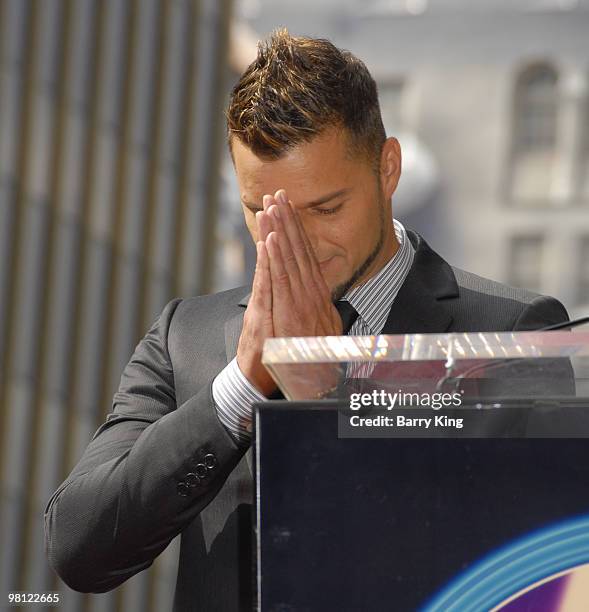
[
  {"x": 264, "y": 224},
  {"x": 282, "y": 299},
  {"x": 267, "y": 201},
  {"x": 289, "y": 260},
  {"x": 310, "y": 252},
  {"x": 293, "y": 232},
  {"x": 265, "y": 282},
  {"x": 262, "y": 289}
]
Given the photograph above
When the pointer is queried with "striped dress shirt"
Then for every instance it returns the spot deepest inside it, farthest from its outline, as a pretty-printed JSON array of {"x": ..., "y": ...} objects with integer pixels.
[{"x": 234, "y": 395}]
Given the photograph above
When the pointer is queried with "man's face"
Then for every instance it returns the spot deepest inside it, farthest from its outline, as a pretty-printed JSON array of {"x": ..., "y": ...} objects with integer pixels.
[{"x": 343, "y": 206}]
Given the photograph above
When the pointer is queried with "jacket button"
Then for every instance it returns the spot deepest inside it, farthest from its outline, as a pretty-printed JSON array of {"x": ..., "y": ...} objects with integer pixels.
[
  {"x": 210, "y": 461},
  {"x": 192, "y": 479},
  {"x": 182, "y": 489},
  {"x": 201, "y": 470}
]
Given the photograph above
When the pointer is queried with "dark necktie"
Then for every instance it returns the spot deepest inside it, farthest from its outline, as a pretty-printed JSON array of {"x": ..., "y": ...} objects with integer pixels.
[{"x": 348, "y": 314}]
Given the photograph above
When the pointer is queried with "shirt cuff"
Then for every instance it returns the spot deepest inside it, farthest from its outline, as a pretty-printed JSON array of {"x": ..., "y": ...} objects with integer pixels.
[{"x": 234, "y": 397}]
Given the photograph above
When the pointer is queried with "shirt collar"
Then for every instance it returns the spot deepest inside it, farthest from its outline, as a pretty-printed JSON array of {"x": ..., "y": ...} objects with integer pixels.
[{"x": 374, "y": 298}]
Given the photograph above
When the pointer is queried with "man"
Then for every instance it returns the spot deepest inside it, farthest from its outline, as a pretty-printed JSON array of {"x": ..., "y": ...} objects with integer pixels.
[{"x": 316, "y": 175}]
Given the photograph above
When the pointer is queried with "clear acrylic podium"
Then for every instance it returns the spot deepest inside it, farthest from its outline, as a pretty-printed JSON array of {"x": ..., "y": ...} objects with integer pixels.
[{"x": 424, "y": 472}]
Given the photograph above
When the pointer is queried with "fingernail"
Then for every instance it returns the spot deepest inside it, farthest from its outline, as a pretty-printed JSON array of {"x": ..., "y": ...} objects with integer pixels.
[
  {"x": 281, "y": 196},
  {"x": 267, "y": 201}
]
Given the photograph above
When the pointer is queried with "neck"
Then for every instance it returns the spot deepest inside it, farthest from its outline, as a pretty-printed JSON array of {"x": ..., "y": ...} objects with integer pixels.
[{"x": 388, "y": 250}]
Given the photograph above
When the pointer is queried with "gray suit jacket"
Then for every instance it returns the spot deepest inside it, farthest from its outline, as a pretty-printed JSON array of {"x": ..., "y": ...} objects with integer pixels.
[{"x": 162, "y": 464}]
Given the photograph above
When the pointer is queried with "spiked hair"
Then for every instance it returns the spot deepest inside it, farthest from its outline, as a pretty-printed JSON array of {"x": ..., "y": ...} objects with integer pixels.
[{"x": 295, "y": 89}]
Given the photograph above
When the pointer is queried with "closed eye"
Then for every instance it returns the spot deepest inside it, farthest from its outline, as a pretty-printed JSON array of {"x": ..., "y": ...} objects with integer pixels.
[
  {"x": 322, "y": 211},
  {"x": 329, "y": 211}
]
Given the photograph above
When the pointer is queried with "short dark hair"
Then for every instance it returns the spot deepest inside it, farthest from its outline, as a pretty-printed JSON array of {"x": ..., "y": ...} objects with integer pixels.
[{"x": 296, "y": 88}]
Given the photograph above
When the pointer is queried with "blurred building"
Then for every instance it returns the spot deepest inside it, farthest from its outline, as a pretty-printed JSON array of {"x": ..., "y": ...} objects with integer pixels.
[
  {"x": 111, "y": 133},
  {"x": 490, "y": 101}
]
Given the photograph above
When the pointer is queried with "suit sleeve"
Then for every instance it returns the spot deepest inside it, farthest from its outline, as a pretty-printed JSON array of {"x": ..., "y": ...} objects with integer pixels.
[
  {"x": 542, "y": 311},
  {"x": 148, "y": 471},
  {"x": 549, "y": 376}
]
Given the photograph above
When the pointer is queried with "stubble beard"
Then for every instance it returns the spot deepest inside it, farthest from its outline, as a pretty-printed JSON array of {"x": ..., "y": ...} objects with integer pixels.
[{"x": 344, "y": 287}]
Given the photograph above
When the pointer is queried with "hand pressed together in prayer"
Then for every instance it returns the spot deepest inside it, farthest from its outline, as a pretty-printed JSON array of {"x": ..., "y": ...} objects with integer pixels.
[{"x": 289, "y": 296}]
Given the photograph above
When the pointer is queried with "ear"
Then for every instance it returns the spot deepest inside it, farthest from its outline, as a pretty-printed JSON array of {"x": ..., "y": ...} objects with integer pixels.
[{"x": 390, "y": 166}]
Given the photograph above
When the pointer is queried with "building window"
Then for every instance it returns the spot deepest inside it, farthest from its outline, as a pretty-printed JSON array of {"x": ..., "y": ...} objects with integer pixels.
[
  {"x": 535, "y": 135},
  {"x": 390, "y": 97},
  {"x": 583, "y": 284},
  {"x": 525, "y": 262}
]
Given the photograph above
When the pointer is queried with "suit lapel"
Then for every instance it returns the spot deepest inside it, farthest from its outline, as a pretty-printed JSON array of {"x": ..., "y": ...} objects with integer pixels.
[
  {"x": 416, "y": 311},
  {"x": 419, "y": 306}
]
